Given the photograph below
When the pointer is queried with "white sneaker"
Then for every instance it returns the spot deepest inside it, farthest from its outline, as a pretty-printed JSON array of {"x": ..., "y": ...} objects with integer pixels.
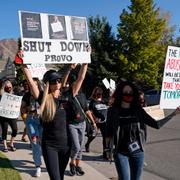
[{"x": 38, "y": 172}]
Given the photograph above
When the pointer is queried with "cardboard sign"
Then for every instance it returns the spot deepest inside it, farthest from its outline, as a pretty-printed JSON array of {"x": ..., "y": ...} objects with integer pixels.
[
  {"x": 53, "y": 39},
  {"x": 170, "y": 92},
  {"x": 37, "y": 70},
  {"x": 10, "y": 106}
]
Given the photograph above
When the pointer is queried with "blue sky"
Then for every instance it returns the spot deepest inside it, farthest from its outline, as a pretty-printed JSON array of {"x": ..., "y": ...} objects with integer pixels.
[{"x": 109, "y": 8}]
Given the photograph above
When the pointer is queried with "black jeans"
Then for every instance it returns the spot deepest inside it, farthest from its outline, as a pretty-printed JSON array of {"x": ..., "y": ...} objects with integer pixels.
[
  {"x": 4, "y": 124},
  {"x": 102, "y": 127},
  {"x": 56, "y": 161}
]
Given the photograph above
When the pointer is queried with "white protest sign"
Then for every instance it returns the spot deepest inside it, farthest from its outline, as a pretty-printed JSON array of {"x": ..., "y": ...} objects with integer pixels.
[
  {"x": 106, "y": 83},
  {"x": 170, "y": 92},
  {"x": 52, "y": 39},
  {"x": 10, "y": 105},
  {"x": 112, "y": 84},
  {"x": 37, "y": 70}
]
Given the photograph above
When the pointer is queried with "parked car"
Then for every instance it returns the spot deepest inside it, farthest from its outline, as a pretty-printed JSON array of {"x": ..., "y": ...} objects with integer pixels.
[{"x": 152, "y": 97}]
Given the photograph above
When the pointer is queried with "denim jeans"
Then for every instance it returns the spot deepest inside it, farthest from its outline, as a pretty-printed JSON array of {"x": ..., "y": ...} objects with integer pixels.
[
  {"x": 129, "y": 166},
  {"x": 34, "y": 128},
  {"x": 77, "y": 133}
]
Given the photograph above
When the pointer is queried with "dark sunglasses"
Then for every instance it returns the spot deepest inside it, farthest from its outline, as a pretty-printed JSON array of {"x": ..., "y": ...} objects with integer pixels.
[
  {"x": 8, "y": 87},
  {"x": 55, "y": 81}
]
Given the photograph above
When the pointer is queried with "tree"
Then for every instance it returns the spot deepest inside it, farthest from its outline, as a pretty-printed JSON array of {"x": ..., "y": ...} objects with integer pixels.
[
  {"x": 103, "y": 44},
  {"x": 140, "y": 50}
]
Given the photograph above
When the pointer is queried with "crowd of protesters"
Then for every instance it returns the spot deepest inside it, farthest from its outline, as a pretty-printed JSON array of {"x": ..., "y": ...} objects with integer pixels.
[{"x": 55, "y": 112}]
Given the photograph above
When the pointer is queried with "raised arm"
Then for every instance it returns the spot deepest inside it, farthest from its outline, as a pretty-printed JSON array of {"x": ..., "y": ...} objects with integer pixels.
[
  {"x": 32, "y": 85},
  {"x": 78, "y": 83},
  {"x": 66, "y": 75}
]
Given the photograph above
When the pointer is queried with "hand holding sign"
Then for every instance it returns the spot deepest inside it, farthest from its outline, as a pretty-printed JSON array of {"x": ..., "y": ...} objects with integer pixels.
[{"x": 18, "y": 58}]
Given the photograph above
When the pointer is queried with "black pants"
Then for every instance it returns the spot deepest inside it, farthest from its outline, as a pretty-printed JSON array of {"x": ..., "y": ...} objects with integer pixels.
[
  {"x": 13, "y": 124},
  {"x": 102, "y": 127},
  {"x": 56, "y": 161}
]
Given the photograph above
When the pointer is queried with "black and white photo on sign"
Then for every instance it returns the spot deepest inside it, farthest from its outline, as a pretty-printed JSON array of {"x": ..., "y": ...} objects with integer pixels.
[
  {"x": 57, "y": 27},
  {"x": 78, "y": 28},
  {"x": 31, "y": 25},
  {"x": 64, "y": 39}
]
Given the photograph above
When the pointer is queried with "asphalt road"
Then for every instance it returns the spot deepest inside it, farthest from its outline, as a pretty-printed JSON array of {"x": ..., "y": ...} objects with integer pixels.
[{"x": 162, "y": 153}]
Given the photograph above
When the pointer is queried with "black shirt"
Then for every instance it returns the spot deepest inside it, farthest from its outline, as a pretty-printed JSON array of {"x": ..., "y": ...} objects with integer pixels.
[
  {"x": 56, "y": 132},
  {"x": 99, "y": 109},
  {"x": 128, "y": 129}
]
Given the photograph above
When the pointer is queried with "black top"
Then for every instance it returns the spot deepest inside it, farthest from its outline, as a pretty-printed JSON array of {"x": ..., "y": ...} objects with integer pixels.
[
  {"x": 124, "y": 125},
  {"x": 56, "y": 133},
  {"x": 128, "y": 129},
  {"x": 99, "y": 109},
  {"x": 77, "y": 109}
]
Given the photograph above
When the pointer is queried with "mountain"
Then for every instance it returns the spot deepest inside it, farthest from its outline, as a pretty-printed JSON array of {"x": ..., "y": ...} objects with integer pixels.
[{"x": 8, "y": 49}]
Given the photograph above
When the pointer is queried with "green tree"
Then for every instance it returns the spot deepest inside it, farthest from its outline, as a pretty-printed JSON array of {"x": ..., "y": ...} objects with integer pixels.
[
  {"x": 140, "y": 51},
  {"x": 103, "y": 44}
]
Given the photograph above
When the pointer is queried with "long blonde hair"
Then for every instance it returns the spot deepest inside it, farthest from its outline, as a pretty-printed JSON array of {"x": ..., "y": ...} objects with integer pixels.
[
  {"x": 5, "y": 83},
  {"x": 48, "y": 106}
]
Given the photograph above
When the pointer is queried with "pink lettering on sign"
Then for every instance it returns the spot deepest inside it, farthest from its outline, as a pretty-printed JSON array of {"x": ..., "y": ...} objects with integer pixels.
[
  {"x": 173, "y": 64},
  {"x": 168, "y": 85}
]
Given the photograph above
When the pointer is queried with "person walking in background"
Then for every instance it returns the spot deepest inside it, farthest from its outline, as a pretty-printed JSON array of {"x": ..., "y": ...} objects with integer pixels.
[
  {"x": 126, "y": 130},
  {"x": 99, "y": 110},
  {"x": 34, "y": 129},
  {"x": 142, "y": 99},
  {"x": 8, "y": 88}
]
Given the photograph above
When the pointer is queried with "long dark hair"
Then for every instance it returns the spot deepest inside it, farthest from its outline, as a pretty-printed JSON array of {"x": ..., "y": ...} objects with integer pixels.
[{"x": 118, "y": 95}]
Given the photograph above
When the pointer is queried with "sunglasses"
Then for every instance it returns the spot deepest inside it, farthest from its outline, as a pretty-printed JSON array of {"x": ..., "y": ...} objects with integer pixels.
[
  {"x": 8, "y": 87},
  {"x": 55, "y": 81}
]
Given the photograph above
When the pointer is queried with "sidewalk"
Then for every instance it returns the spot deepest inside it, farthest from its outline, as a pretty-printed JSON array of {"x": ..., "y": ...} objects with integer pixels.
[{"x": 22, "y": 161}]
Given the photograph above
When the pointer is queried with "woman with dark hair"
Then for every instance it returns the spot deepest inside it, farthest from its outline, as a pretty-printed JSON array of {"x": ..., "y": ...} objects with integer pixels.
[
  {"x": 99, "y": 110},
  {"x": 126, "y": 130}
]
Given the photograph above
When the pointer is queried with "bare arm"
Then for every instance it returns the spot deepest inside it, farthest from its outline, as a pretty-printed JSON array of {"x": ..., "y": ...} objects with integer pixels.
[
  {"x": 65, "y": 78},
  {"x": 32, "y": 85},
  {"x": 78, "y": 83},
  {"x": 91, "y": 117},
  {"x": 82, "y": 73}
]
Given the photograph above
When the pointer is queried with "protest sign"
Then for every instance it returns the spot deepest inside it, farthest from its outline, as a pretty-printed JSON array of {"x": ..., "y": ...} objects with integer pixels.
[
  {"x": 170, "y": 92},
  {"x": 52, "y": 39},
  {"x": 37, "y": 70},
  {"x": 106, "y": 83},
  {"x": 10, "y": 105},
  {"x": 112, "y": 84}
]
